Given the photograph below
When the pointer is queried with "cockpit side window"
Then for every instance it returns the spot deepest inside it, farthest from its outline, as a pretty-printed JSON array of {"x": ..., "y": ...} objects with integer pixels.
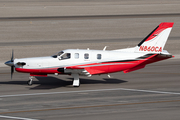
[{"x": 66, "y": 56}]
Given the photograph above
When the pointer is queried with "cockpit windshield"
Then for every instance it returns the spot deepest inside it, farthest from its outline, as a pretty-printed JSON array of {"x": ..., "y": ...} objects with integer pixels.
[
  {"x": 61, "y": 55},
  {"x": 58, "y": 54}
]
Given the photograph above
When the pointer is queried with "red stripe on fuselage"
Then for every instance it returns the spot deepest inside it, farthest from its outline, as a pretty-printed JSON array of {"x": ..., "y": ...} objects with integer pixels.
[
  {"x": 36, "y": 71},
  {"x": 93, "y": 68}
]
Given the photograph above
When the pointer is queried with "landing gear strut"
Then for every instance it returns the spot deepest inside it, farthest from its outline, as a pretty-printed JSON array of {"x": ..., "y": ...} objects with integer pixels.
[
  {"x": 76, "y": 82},
  {"x": 30, "y": 81}
]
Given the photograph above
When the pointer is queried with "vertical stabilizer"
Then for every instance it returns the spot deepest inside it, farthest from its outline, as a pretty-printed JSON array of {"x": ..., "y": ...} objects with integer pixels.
[{"x": 155, "y": 41}]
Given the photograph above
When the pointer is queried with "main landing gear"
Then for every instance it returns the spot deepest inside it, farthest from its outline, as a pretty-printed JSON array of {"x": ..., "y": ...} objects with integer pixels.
[
  {"x": 76, "y": 82},
  {"x": 30, "y": 81}
]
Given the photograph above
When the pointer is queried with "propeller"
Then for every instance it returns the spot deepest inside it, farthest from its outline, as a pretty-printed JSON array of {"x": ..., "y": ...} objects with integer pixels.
[{"x": 11, "y": 63}]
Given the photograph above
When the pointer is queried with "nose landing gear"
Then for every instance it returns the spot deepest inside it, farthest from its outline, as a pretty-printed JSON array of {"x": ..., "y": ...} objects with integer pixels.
[{"x": 30, "y": 81}]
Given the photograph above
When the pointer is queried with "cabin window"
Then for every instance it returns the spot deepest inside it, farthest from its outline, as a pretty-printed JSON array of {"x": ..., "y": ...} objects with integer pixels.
[
  {"x": 98, "y": 56},
  {"x": 86, "y": 56},
  {"x": 66, "y": 56},
  {"x": 76, "y": 55}
]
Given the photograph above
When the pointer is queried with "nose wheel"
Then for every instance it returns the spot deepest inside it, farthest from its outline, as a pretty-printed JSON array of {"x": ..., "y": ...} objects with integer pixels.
[{"x": 30, "y": 81}]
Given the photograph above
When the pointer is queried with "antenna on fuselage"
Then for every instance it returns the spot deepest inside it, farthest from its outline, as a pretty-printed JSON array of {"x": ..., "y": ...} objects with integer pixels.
[{"x": 105, "y": 48}]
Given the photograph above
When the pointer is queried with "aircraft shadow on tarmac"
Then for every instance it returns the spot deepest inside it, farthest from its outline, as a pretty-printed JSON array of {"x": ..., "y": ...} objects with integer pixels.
[{"x": 53, "y": 82}]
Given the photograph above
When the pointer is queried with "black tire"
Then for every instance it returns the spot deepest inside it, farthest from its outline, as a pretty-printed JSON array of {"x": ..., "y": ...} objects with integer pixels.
[{"x": 30, "y": 82}]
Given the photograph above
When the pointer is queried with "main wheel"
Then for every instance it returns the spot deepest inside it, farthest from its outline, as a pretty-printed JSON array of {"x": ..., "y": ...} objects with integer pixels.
[
  {"x": 76, "y": 86},
  {"x": 30, "y": 82}
]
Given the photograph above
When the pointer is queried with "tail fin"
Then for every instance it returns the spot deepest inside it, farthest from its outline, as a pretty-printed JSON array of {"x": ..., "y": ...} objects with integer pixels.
[{"x": 155, "y": 41}]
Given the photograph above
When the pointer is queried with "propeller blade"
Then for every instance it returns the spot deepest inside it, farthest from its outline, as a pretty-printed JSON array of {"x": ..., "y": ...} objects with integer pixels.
[
  {"x": 12, "y": 67},
  {"x": 12, "y": 57},
  {"x": 12, "y": 71}
]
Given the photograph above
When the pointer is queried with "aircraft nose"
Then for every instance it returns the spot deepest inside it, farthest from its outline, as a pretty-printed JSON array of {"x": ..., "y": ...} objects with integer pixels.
[{"x": 9, "y": 63}]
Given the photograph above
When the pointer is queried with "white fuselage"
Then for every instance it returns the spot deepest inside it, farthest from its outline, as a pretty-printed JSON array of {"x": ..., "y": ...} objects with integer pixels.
[{"x": 53, "y": 62}]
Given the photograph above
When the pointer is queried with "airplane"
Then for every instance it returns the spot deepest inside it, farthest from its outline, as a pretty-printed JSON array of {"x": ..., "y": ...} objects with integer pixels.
[{"x": 86, "y": 62}]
